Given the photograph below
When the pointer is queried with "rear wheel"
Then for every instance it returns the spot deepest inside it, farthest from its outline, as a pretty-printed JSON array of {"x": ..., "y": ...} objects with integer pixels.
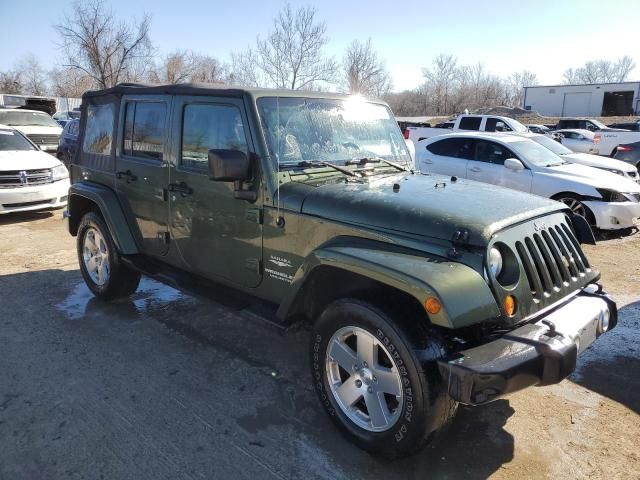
[
  {"x": 100, "y": 263},
  {"x": 371, "y": 383}
]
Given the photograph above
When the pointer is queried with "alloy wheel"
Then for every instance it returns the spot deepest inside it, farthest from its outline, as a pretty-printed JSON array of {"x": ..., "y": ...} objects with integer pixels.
[
  {"x": 575, "y": 205},
  {"x": 364, "y": 379},
  {"x": 96, "y": 256}
]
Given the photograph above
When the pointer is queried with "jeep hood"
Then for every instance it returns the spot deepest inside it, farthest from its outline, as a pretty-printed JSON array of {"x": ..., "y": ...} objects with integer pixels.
[{"x": 428, "y": 205}]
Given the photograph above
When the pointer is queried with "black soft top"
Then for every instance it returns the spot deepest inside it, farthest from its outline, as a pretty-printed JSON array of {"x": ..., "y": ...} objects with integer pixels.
[{"x": 204, "y": 89}]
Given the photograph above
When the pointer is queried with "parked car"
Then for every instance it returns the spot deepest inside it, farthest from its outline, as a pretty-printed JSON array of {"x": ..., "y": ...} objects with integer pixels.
[
  {"x": 418, "y": 290},
  {"x": 630, "y": 126},
  {"x": 482, "y": 123},
  {"x": 65, "y": 116},
  {"x": 595, "y": 161},
  {"x": 606, "y": 139},
  {"x": 578, "y": 140},
  {"x": 590, "y": 124},
  {"x": 29, "y": 178},
  {"x": 38, "y": 126},
  {"x": 540, "y": 129},
  {"x": 629, "y": 153},
  {"x": 604, "y": 199},
  {"x": 68, "y": 141}
]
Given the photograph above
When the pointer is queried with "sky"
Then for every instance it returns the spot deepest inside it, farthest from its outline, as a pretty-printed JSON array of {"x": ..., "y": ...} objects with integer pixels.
[{"x": 545, "y": 36}]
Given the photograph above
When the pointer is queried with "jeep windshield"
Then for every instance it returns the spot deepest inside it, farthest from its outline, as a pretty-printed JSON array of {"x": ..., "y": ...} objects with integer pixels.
[{"x": 303, "y": 132}]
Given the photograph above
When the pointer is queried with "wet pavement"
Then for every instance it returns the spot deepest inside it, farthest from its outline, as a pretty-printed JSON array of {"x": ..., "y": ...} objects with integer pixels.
[{"x": 166, "y": 386}]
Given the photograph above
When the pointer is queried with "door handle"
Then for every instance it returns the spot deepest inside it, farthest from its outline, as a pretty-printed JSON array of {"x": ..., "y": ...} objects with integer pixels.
[
  {"x": 130, "y": 177},
  {"x": 181, "y": 188},
  {"x": 475, "y": 169},
  {"x": 426, "y": 160}
]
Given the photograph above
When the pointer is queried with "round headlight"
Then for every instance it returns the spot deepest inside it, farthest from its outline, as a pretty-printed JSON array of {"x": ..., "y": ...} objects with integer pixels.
[{"x": 495, "y": 262}]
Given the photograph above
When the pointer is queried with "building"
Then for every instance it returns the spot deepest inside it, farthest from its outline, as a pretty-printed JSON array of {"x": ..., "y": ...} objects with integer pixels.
[{"x": 591, "y": 100}]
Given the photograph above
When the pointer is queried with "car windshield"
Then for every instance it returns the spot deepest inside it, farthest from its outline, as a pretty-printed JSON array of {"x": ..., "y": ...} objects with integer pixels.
[
  {"x": 536, "y": 154},
  {"x": 11, "y": 140},
  {"x": 329, "y": 130},
  {"x": 17, "y": 118},
  {"x": 555, "y": 147},
  {"x": 518, "y": 127}
]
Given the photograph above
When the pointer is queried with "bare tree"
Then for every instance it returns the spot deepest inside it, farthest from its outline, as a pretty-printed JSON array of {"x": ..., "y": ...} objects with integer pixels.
[
  {"x": 440, "y": 79},
  {"x": 600, "y": 71},
  {"x": 70, "y": 83},
  {"x": 206, "y": 69},
  {"x": 33, "y": 76},
  {"x": 176, "y": 67},
  {"x": 364, "y": 72},
  {"x": 105, "y": 48},
  {"x": 10, "y": 82},
  {"x": 515, "y": 87},
  {"x": 290, "y": 56}
]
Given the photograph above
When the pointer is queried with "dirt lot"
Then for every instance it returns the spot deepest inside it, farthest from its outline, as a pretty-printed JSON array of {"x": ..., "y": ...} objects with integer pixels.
[{"x": 169, "y": 386}]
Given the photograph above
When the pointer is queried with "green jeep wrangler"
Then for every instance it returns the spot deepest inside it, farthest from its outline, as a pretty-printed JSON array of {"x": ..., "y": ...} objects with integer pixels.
[{"x": 421, "y": 291}]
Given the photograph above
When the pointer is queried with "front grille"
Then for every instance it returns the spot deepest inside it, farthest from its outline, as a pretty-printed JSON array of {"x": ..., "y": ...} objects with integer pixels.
[
  {"x": 552, "y": 260},
  {"x": 24, "y": 178},
  {"x": 635, "y": 196},
  {"x": 44, "y": 139}
]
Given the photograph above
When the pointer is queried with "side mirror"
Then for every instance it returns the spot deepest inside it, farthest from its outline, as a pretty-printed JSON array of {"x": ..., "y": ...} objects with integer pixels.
[
  {"x": 513, "y": 164},
  {"x": 228, "y": 166},
  {"x": 500, "y": 127}
]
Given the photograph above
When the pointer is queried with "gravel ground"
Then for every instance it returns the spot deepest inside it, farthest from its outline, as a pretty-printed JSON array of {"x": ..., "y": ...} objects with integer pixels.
[{"x": 167, "y": 386}]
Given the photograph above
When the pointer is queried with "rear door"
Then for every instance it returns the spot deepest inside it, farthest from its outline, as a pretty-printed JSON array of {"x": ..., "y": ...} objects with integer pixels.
[
  {"x": 448, "y": 156},
  {"x": 142, "y": 169},
  {"x": 487, "y": 166}
]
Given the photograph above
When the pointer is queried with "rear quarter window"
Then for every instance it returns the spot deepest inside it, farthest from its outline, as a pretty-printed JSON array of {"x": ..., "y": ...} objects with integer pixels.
[
  {"x": 98, "y": 135},
  {"x": 453, "y": 147}
]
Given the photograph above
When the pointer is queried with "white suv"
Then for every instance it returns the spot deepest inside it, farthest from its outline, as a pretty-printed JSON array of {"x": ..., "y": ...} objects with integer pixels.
[
  {"x": 41, "y": 129},
  {"x": 608, "y": 201},
  {"x": 29, "y": 178}
]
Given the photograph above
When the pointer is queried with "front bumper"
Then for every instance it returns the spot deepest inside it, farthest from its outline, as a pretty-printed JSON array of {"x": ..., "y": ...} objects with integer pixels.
[
  {"x": 540, "y": 353},
  {"x": 36, "y": 197},
  {"x": 614, "y": 215}
]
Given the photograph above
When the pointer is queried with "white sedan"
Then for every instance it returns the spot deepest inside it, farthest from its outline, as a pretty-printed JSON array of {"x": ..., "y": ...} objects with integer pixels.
[
  {"x": 596, "y": 161},
  {"x": 577, "y": 140},
  {"x": 29, "y": 178},
  {"x": 605, "y": 199}
]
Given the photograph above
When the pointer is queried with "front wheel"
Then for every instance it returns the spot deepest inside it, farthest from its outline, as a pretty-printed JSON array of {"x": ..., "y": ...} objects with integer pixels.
[
  {"x": 100, "y": 263},
  {"x": 371, "y": 383},
  {"x": 574, "y": 202}
]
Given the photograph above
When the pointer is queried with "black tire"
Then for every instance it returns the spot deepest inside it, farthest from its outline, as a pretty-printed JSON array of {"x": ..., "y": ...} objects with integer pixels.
[
  {"x": 566, "y": 198},
  {"x": 121, "y": 280},
  {"x": 425, "y": 406}
]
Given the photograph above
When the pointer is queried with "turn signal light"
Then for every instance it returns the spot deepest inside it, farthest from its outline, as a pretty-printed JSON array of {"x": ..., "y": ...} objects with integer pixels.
[
  {"x": 432, "y": 305},
  {"x": 510, "y": 305}
]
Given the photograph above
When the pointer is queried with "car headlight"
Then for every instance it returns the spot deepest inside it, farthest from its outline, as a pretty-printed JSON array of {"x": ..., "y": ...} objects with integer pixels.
[
  {"x": 611, "y": 195},
  {"x": 59, "y": 172},
  {"x": 495, "y": 262}
]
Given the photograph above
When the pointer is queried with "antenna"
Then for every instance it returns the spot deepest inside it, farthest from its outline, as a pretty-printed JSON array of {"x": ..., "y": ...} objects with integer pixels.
[{"x": 278, "y": 158}]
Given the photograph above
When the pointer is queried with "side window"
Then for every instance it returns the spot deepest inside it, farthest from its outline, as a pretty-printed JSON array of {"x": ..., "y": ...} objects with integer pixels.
[
  {"x": 144, "y": 130},
  {"x": 490, "y": 125},
  {"x": 453, "y": 147},
  {"x": 470, "y": 123},
  {"x": 73, "y": 129},
  {"x": 569, "y": 135},
  {"x": 99, "y": 130},
  {"x": 206, "y": 127},
  {"x": 490, "y": 152}
]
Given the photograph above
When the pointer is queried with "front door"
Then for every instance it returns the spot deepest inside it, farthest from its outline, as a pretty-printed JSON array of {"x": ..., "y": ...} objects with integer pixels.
[
  {"x": 142, "y": 169},
  {"x": 487, "y": 166},
  {"x": 216, "y": 234}
]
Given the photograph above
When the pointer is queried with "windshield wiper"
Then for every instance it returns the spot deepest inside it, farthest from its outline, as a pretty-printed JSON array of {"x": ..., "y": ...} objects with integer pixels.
[
  {"x": 320, "y": 163},
  {"x": 365, "y": 160}
]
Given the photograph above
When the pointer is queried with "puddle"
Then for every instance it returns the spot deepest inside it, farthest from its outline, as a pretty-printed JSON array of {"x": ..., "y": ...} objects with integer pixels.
[{"x": 150, "y": 295}]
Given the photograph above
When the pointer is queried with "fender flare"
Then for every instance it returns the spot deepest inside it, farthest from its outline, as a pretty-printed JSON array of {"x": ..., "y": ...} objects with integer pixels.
[
  {"x": 107, "y": 202},
  {"x": 464, "y": 294}
]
